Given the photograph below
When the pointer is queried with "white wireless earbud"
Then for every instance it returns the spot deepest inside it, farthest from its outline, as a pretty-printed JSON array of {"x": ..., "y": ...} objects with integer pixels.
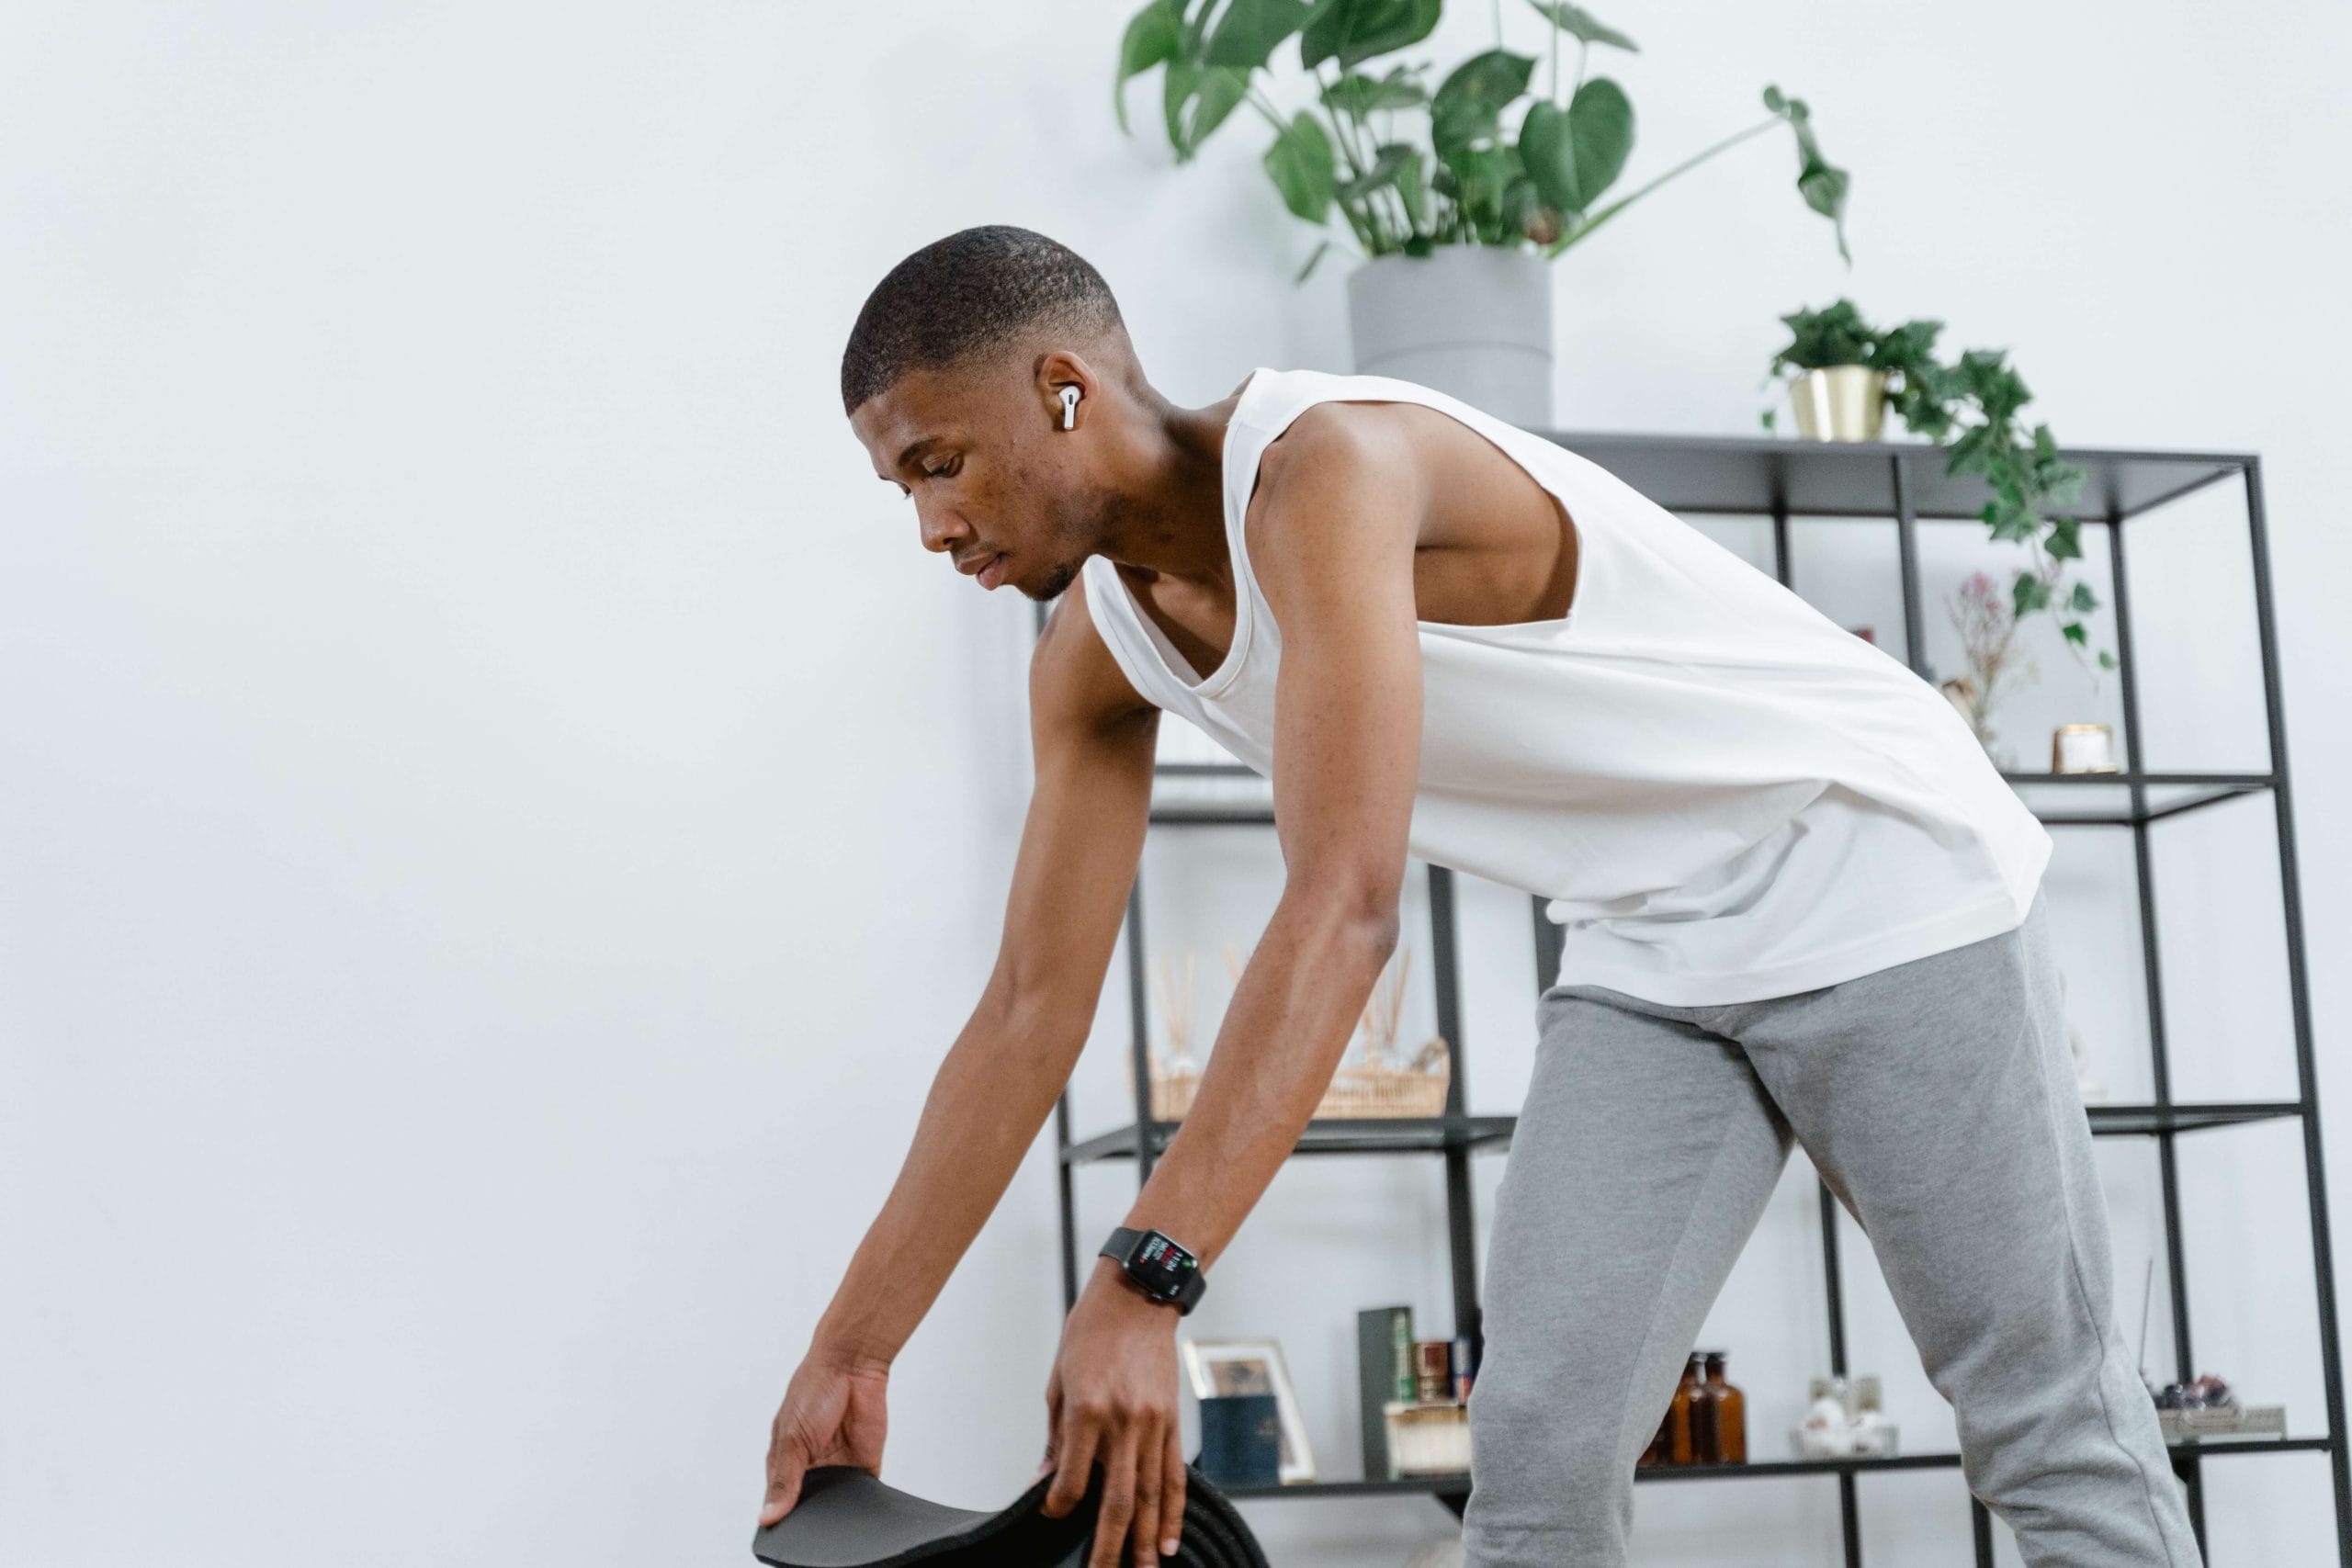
[{"x": 1069, "y": 408}]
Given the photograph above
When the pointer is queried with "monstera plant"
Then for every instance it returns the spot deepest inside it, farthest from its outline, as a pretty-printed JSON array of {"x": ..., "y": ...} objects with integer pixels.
[{"x": 1481, "y": 158}]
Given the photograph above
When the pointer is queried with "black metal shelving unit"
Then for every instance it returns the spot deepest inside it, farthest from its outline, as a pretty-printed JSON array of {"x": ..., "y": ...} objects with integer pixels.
[{"x": 1903, "y": 484}]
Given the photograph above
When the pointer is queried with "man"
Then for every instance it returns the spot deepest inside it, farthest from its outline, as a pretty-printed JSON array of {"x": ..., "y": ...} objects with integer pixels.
[{"x": 1800, "y": 906}]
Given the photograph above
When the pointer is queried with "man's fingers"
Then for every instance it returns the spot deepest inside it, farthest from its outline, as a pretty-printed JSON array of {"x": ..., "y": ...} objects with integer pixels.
[
  {"x": 1047, "y": 1462},
  {"x": 1079, "y": 1434},
  {"x": 1148, "y": 1481},
  {"x": 1053, "y": 1421},
  {"x": 1119, "y": 1495},
  {"x": 784, "y": 1470},
  {"x": 1172, "y": 1493}
]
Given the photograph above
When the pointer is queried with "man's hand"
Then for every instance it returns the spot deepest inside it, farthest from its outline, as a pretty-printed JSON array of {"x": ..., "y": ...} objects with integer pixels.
[
  {"x": 832, "y": 1414},
  {"x": 1112, "y": 1400}
]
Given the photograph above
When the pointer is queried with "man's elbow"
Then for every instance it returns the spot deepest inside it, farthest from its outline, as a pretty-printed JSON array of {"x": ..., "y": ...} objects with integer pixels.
[{"x": 1360, "y": 912}]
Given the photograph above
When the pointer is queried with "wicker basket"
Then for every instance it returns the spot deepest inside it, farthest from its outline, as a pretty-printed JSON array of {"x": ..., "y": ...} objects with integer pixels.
[{"x": 1357, "y": 1090}]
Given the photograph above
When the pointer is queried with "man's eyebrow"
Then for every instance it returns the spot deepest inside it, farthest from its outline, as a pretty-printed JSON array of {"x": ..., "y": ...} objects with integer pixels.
[{"x": 914, "y": 447}]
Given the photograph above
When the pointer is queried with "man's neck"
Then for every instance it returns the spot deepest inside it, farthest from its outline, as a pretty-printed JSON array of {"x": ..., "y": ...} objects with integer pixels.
[{"x": 1167, "y": 517}]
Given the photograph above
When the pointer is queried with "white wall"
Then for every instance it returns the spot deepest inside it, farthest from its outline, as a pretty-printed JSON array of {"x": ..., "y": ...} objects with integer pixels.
[{"x": 498, "y": 818}]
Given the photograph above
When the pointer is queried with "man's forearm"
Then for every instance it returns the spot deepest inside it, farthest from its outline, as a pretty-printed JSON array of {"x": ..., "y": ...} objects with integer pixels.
[
  {"x": 1298, "y": 1002},
  {"x": 989, "y": 1097}
]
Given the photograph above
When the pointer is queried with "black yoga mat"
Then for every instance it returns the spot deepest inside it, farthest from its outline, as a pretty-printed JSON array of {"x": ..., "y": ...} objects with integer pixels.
[{"x": 846, "y": 1517}]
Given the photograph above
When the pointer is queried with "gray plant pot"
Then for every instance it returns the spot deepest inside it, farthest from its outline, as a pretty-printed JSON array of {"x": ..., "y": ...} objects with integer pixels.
[{"x": 1473, "y": 321}]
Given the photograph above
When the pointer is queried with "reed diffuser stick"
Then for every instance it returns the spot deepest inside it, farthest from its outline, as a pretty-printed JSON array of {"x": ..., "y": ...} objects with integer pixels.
[
  {"x": 1396, "y": 997},
  {"x": 1383, "y": 1008},
  {"x": 1176, "y": 1007}
]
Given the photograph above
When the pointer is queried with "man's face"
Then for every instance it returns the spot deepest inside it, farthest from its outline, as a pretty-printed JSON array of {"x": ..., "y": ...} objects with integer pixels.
[{"x": 997, "y": 486}]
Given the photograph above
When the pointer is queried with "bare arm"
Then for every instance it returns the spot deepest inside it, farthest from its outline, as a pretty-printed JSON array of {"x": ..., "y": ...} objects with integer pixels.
[
  {"x": 1093, "y": 740},
  {"x": 1342, "y": 519}
]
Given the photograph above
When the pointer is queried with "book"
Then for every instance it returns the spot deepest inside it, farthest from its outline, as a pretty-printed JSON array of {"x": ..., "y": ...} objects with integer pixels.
[{"x": 1384, "y": 1372}]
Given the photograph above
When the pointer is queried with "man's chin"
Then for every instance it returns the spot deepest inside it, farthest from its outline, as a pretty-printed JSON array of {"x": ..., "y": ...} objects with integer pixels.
[{"x": 1051, "y": 589}]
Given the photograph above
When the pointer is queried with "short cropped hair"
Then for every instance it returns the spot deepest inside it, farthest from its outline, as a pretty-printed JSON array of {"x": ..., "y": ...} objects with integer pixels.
[{"x": 978, "y": 289}]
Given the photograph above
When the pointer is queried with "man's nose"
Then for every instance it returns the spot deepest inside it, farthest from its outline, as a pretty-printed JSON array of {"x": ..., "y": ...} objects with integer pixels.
[{"x": 941, "y": 531}]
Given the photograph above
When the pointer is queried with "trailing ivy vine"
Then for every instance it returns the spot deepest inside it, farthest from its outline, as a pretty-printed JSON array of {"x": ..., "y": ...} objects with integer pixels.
[{"x": 1973, "y": 408}]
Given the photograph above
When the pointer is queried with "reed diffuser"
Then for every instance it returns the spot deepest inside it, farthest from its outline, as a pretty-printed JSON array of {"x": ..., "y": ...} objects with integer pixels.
[
  {"x": 1374, "y": 1085},
  {"x": 1381, "y": 1008},
  {"x": 1175, "y": 1074},
  {"x": 1176, "y": 1009}
]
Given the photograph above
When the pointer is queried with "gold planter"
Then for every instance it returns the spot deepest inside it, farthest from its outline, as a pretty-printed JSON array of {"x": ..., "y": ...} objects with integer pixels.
[{"x": 1845, "y": 403}]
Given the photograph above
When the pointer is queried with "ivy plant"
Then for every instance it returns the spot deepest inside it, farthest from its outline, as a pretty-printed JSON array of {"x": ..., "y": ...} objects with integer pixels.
[
  {"x": 1407, "y": 166},
  {"x": 1973, "y": 407}
]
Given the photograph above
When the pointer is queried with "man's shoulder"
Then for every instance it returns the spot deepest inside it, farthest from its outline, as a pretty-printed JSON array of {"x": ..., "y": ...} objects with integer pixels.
[{"x": 1335, "y": 458}]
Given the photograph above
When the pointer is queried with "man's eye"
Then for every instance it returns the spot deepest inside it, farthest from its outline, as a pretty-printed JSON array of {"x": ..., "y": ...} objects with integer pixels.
[{"x": 945, "y": 469}]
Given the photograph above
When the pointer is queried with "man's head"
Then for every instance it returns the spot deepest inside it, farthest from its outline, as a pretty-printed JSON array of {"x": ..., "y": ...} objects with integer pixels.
[{"x": 953, "y": 381}]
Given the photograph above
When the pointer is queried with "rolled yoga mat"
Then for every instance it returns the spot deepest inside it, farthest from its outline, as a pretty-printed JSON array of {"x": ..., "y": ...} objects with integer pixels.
[{"x": 846, "y": 1517}]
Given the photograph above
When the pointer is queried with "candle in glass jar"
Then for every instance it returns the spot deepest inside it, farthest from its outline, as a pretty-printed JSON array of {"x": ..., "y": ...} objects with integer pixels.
[{"x": 2082, "y": 748}]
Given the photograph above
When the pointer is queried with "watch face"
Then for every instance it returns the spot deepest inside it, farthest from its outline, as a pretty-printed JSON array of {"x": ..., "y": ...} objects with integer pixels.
[{"x": 1162, "y": 1266}]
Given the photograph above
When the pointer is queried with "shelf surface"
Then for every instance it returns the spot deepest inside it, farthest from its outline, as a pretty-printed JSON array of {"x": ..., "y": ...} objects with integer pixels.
[
  {"x": 1735, "y": 475},
  {"x": 1455, "y": 1485},
  {"x": 1229, "y": 793},
  {"x": 1427, "y": 1135},
  {"x": 1326, "y": 1135},
  {"x": 2059, "y": 798},
  {"x": 2125, "y": 1119}
]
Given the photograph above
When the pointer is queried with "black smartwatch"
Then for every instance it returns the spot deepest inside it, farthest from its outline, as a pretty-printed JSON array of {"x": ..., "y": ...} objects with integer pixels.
[{"x": 1158, "y": 1266}]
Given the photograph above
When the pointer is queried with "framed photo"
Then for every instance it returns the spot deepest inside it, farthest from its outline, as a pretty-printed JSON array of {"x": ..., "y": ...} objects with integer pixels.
[{"x": 1216, "y": 1367}]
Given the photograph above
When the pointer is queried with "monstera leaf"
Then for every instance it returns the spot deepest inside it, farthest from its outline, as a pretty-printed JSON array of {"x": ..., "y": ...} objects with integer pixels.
[
  {"x": 1300, "y": 165},
  {"x": 1248, "y": 31},
  {"x": 1573, "y": 154},
  {"x": 1151, "y": 38},
  {"x": 1468, "y": 106},
  {"x": 1582, "y": 25},
  {"x": 1360, "y": 96},
  {"x": 1353, "y": 31}
]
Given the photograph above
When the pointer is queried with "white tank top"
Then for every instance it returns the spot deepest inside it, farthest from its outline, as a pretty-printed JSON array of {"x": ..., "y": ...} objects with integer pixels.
[{"x": 1722, "y": 793}]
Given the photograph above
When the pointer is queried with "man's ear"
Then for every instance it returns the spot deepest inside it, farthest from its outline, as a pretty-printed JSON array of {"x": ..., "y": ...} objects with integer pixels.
[{"x": 1060, "y": 373}]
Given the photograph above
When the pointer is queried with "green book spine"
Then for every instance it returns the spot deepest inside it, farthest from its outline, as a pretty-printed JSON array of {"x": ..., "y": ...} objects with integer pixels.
[{"x": 1384, "y": 1363}]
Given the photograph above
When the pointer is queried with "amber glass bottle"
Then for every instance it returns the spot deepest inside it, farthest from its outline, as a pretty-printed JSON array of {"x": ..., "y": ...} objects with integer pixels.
[
  {"x": 1686, "y": 1394},
  {"x": 1729, "y": 1410},
  {"x": 1706, "y": 1447},
  {"x": 1655, "y": 1452}
]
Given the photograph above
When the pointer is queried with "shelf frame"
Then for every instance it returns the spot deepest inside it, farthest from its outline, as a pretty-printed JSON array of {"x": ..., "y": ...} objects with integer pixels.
[{"x": 1903, "y": 482}]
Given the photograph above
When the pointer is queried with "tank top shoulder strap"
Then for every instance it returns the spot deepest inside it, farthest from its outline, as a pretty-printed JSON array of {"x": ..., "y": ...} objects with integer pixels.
[{"x": 1274, "y": 397}]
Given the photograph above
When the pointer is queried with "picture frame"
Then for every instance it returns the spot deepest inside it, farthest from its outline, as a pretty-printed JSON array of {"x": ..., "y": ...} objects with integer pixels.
[{"x": 1216, "y": 1367}]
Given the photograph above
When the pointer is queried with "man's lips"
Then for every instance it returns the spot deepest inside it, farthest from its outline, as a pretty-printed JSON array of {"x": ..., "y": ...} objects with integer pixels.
[{"x": 991, "y": 572}]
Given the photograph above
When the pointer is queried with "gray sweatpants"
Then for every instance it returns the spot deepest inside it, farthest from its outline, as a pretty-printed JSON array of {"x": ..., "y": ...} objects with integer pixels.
[{"x": 1937, "y": 1099}]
